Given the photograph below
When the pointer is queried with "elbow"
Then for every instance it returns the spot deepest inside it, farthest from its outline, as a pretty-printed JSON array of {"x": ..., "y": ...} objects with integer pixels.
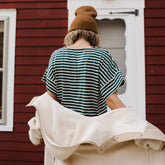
[
  {"x": 114, "y": 102},
  {"x": 111, "y": 99}
]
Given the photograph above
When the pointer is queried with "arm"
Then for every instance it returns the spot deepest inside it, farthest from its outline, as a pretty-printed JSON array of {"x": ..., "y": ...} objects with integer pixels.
[
  {"x": 52, "y": 95},
  {"x": 114, "y": 102}
]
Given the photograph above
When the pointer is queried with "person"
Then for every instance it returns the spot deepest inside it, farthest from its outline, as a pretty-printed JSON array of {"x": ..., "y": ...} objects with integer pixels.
[
  {"x": 81, "y": 75},
  {"x": 84, "y": 78}
]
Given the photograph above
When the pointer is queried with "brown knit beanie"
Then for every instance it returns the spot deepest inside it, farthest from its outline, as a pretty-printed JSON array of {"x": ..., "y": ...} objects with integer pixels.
[{"x": 85, "y": 19}]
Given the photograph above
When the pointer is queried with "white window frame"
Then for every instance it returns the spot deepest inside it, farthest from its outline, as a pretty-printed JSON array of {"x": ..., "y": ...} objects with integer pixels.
[
  {"x": 134, "y": 96},
  {"x": 9, "y": 18}
]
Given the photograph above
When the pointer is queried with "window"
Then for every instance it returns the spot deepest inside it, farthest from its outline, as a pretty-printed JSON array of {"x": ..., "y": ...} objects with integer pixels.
[
  {"x": 7, "y": 56},
  {"x": 2, "y": 66},
  {"x": 112, "y": 34},
  {"x": 122, "y": 33}
]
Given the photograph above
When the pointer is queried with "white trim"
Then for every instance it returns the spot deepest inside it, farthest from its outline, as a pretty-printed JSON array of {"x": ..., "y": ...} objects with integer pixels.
[
  {"x": 10, "y": 15},
  {"x": 135, "y": 93},
  {"x": 6, "y": 128},
  {"x": 107, "y": 4},
  {"x": 140, "y": 61}
]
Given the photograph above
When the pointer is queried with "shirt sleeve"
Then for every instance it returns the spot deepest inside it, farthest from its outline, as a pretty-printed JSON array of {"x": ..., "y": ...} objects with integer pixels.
[
  {"x": 49, "y": 76},
  {"x": 109, "y": 75}
]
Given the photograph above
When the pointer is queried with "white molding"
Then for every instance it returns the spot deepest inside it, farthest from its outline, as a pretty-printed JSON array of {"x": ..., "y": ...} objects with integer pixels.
[
  {"x": 107, "y": 4},
  {"x": 6, "y": 128},
  {"x": 140, "y": 61},
  {"x": 135, "y": 58},
  {"x": 10, "y": 52}
]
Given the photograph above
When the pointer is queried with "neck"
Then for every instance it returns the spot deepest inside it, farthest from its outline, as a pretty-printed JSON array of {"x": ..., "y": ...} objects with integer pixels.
[{"x": 81, "y": 43}]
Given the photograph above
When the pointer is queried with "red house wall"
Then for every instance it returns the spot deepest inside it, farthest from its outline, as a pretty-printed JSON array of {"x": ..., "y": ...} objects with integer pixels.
[
  {"x": 41, "y": 27},
  {"x": 155, "y": 61}
]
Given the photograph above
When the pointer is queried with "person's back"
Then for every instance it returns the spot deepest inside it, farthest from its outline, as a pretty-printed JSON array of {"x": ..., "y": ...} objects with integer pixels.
[
  {"x": 80, "y": 75},
  {"x": 79, "y": 79}
]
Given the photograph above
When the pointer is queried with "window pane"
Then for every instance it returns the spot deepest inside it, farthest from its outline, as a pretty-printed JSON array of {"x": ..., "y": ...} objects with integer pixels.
[
  {"x": 112, "y": 38},
  {"x": 1, "y": 63},
  {"x": 1, "y": 77},
  {"x": 1, "y": 43}
]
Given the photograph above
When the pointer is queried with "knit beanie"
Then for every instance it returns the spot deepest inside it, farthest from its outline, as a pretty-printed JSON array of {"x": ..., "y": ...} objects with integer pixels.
[{"x": 85, "y": 19}]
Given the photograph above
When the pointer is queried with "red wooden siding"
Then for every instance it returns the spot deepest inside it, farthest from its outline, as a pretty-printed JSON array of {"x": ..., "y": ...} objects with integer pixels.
[
  {"x": 155, "y": 62},
  {"x": 41, "y": 27}
]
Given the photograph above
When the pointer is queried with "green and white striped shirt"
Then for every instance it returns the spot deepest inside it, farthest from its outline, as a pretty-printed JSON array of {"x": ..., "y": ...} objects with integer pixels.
[{"x": 82, "y": 79}]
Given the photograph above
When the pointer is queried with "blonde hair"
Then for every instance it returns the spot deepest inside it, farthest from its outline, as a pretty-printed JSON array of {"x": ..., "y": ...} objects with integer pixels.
[{"x": 75, "y": 35}]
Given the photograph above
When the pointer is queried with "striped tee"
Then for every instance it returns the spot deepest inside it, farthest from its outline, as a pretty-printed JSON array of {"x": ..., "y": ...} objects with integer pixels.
[{"x": 82, "y": 79}]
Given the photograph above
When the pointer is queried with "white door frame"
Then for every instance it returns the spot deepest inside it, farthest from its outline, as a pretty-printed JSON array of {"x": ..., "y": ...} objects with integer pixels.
[{"x": 134, "y": 96}]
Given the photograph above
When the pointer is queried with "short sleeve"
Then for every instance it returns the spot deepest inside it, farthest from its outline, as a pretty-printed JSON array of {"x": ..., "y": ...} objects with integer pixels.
[
  {"x": 49, "y": 76},
  {"x": 110, "y": 76}
]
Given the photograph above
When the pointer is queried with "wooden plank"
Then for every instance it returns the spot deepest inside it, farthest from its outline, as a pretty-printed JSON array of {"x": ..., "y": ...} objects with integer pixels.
[
  {"x": 155, "y": 4},
  {"x": 39, "y": 41},
  {"x": 156, "y": 50},
  {"x": 155, "y": 31},
  {"x": 53, "y": 23},
  {"x": 20, "y": 146},
  {"x": 14, "y": 137},
  {"x": 155, "y": 41},
  {"x": 17, "y": 162},
  {"x": 59, "y": 32},
  {"x": 155, "y": 89},
  {"x": 154, "y": 22},
  {"x": 153, "y": 0},
  {"x": 33, "y": 51},
  {"x": 154, "y": 13},
  {"x": 29, "y": 79},
  {"x": 23, "y": 117},
  {"x": 155, "y": 108},
  {"x": 33, "y": 5},
  {"x": 155, "y": 59},
  {"x": 42, "y": 14},
  {"x": 22, "y": 1},
  {"x": 156, "y": 118},
  {"x": 21, "y": 128},
  {"x": 161, "y": 127},
  {"x": 29, "y": 60},
  {"x": 155, "y": 70},
  {"x": 21, "y": 156},
  {"x": 30, "y": 70},
  {"x": 35, "y": 89},
  {"x": 155, "y": 80},
  {"x": 18, "y": 129},
  {"x": 22, "y": 108},
  {"x": 23, "y": 99},
  {"x": 155, "y": 99}
]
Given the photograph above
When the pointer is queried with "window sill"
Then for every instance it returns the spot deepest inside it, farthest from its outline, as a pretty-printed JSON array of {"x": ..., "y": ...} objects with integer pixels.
[{"x": 6, "y": 128}]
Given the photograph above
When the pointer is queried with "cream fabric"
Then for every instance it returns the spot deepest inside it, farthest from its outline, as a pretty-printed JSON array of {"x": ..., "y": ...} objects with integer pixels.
[{"x": 70, "y": 137}]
